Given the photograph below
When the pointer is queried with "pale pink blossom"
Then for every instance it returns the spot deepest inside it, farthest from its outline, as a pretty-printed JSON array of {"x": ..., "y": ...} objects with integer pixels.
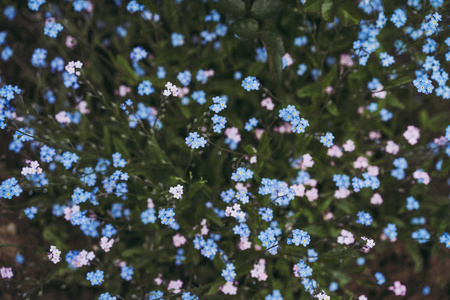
[
  {"x": 122, "y": 91},
  {"x": 176, "y": 191},
  {"x": 346, "y": 238},
  {"x": 228, "y": 288},
  {"x": 329, "y": 90},
  {"x": 259, "y": 270},
  {"x": 106, "y": 244},
  {"x": 54, "y": 255},
  {"x": 183, "y": 91},
  {"x": 33, "y": 168},
  {"x": 283, "y": 128},
  {"x": 71, "y": 42},
  {"x": 322, "y": 296},
  {"x": 328, "y": 216},
  {"x": 312, "y": 194},
  {"x": 267, "y": 103},
  {"x": 63, "y": 117},
  {"x": 375, "y": 135},
  {"x": 392, "y": 147},
  {"x": 244, "y": 244},
  {"x": 258, "y": 133},
  {"x": 370, "y": 243},
  {"x": 412, "y": 134},
  {"x": 6, "y": 272},
  {"x": 334, "y": 151},
  {"x": 233, "y": 133},
  {"x": 422, "y": 177},
  {"x": 178, "y": 240},
  {"x": 311, "y": 182},
  {"x": 253, "y": 159},
  {"x": 299, "y": 189},
  {"x": 150, "y": 203},
  {"x": 398, "y": 288},
  {"x": 288, "y": 59},
  {"x": 349, "y": 146},
  {"x": 346, "y": 60},
  {"x": 379, "y": 93},
  {"x": 362, "y": 297},
  {"x": 373, "y": 170},
  {"x": 341, "y": 193},
  {"x": 158, "y": 280},
  {"x": 175, "y": 286},
  {"x": 82, "y": 107},
  {"x": 361, "y": 163},
  {"x": 307, "y": 161},
  {"x": 376, "y": 199}
]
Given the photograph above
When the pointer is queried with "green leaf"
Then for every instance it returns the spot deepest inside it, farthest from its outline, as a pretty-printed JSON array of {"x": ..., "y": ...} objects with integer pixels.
[
  {"x": 348, "y": 13},
  {"x": 413, "y": 250},
  {"x": 125, "y": 69},
  {"x": 310, "y": 90},
  {"x": 106, "y": 140},
  {"x": 328, "y": 10},
  {"x": 275, "y": 52},
  {"x": 235, "y": 7},
  {"x": 274, "y": 41},
  {"x": 245, "y": 28},
  {"x": 312, "y": 5},
  {"x": 275, "y": 64},
  {"x": 213, "y": 217},
  {"x": 265, "y": 9},
  {"x": 332, "y": 109},
  {"x": 249, "y": 149}
]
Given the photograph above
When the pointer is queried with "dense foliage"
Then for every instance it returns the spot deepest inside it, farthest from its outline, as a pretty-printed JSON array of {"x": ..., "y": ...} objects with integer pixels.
[{"x": 257, "y": 149}]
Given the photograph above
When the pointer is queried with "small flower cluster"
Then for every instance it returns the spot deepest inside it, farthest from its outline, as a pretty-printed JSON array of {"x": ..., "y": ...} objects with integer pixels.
[
  {"x": 250, "y": 83},
  {"x": 166, "y": 216},
  {"x": 96, "y": 278},
  {"x": 291, "y": 114},
  {"x": 72, "y": 67},
  {"x": 54, "y": 255},
  {"x": 228, "y": 273},
  {"x": 242, "y": 174},
  {"x": 176, "y": 191},
  {"x": 195, "y": 141},
  {"x": 299, "y": 237}
]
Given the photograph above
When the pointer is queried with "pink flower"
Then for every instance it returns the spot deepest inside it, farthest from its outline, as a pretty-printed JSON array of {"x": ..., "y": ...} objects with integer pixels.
[
  {"x": 346, "y": 60},
  {"x": 178, "y": 240},
  {"x": 341, "y": 193},
  {"x": 312, "y": 194},
  {"x": 62, "y": 117},
  {"x": 228, "y": 288},
  {"x": 334, "y": 151},
  {"x": 233, "y": 133},
  {"x": 244, "y": 244},
  {"x": 6, "y": 272},
  {"x": 71, "y": 42},
  {"x": 105, "y": 244},
  {"x": 373, "y": 170},
  {"x": 307, "y": 161},
  {"x": 349, "y": 146},
  {"x": 392, "y": 147},
  {"x": 259, "y": 270},
  {"x": 361, "y": 163},
  {"x": 346, "y": 238},
  {"x": 329, "y": 90},
  {"x": 379, "y": 93},
  {"x": 150, "y": 203},
  {"x": 258, "y": 133},
  {"x": 174, "y": 286},
  {"x": 362, "y": 297},
  {"x": 267, "y": 103},
  {"x": 398, "y": 288},
  {"x": 289, "y": 60},
  {"x": 375, "y": 135},
  {"x": 422, "y": 177},
  {"x": 412, "y": 134},
  {"x": 376, "y": 199},
  {"x": 253, "y": 159},
  {"x": 299, "y": 189},
  {"x": 122, "y": 91}
]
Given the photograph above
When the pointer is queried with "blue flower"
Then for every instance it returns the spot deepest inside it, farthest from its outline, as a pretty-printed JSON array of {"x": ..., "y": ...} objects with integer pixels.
[
  {"x": 299, "y": 237},
  {"x": 327, "y": 139},
  {"x": 96, "y": 278},
  {"x": 421, "y": 235},
  {"x": 30, "y": 212},
  {"x": 398, "y": 18},
  {"x": 195, "y": 141},
  {"x": 38, "y": 58},
  {"x": 412, "y": 204},
  {"x": 127, "y": 273},
  {"x": 166, "y": 216},
  {"x": 52, "y": 29},
  {"x": 380, "y": 278},
  {"x": 250, "y": 83},
  {"x": 177, "y": 39},
  {"x": 228, "y": 273},
  {"x": 145, "y": 88},
  {"x": 364, "y": 218}
]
